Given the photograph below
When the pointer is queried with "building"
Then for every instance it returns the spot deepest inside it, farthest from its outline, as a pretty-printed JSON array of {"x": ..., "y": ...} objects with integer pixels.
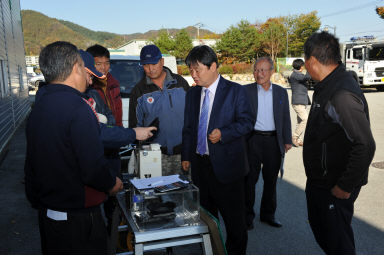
[
  {"x": 32, "y": 60},
  {"x": 209, "y": 42},
  {"x": 14, "y": 101},
  {"x": 134, "y": 47}
]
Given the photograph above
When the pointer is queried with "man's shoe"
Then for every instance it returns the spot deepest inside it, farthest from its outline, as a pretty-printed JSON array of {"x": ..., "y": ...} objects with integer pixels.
[
  {"x": 272, "y": 222},
  {"x": 250, "y": 226}
]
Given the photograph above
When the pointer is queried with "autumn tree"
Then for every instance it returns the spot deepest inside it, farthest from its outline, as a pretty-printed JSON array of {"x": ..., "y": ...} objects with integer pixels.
[
  {"x": 183, "y": 44},
  {"x": 273, "y": 37},
  {"x": 299, "y": 28}
]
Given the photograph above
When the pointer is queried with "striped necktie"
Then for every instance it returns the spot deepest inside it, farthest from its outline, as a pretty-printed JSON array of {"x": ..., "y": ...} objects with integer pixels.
[{"x": 203, "y": 124}]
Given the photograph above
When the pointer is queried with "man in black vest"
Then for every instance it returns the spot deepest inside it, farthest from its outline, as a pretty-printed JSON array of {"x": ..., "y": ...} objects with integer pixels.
[{"x": 338, "y": 147}]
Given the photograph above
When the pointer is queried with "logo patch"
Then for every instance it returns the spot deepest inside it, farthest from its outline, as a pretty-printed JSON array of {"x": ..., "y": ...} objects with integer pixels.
[{"x": 150, "y": 100}]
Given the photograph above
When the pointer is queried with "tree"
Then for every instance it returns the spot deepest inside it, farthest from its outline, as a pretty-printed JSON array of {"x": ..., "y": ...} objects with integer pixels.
[
  {"x": 300, "y": 27},
  {"x": 165, "y": 43},
  {"x": 239, "y": 43},
  {"x": 183, "y": 44},
  {"x": 380, "y": 11},
  {"x": 273, "y": 36}
]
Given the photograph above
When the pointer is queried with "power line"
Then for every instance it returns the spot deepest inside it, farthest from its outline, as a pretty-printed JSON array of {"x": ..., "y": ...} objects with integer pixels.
[{"x": 356, "y": 8}]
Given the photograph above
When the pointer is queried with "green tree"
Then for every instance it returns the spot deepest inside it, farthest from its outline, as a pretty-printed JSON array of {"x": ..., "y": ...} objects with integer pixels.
[
  {"x": 273, "y": 37},
  {"x": 300, "y": 27},
  {"x": 183, "y": 44},
  {"x": 239, "y": 44},
  {"x": 165, "y": 43}
]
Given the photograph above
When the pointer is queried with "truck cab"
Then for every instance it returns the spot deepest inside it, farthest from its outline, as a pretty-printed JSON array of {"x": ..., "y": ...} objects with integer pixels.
[{"x": 366, "y": 62}]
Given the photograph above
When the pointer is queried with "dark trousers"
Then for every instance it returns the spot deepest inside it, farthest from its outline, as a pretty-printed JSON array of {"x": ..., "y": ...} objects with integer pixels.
[
  {"x": 81, "y": 233},
  {"x": 264, "y": 156},
  {"x": 226, "y": 198},
  {"x": 330, "y": 219}
]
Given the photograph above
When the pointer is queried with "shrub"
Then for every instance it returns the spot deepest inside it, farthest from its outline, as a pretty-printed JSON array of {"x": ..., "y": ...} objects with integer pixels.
[
  {"x": 242, "y": 68},
  {"x": 225, "y": 69},
  {"x": 183, "y": 70}
]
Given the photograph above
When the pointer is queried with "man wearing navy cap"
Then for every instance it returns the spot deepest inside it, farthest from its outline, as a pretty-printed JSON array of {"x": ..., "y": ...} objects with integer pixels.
[{"x": 160, "y": 94}]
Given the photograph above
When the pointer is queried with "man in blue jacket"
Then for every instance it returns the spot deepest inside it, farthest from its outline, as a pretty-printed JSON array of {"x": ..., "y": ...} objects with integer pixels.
[
  {"x": 160, "y": 94},
  {"x": 66, "y": 174}
]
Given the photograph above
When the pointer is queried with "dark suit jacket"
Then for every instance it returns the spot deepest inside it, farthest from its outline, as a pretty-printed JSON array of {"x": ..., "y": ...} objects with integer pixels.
[
  {"x": 299, "y": 87},
  {"x": 231, "y": 113},
  {"x": 280, "y": 112}
]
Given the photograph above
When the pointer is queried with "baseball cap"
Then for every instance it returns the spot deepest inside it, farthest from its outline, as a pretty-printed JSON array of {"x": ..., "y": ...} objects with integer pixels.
[
  {"x": 150, "y": 54},
  {"x": 89, "y": 64}
]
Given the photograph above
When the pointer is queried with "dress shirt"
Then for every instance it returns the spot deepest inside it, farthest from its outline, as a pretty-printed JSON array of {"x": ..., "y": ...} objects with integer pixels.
[
  {"x": 212, "y": 91},
  {"x": 265, "y": 118}
]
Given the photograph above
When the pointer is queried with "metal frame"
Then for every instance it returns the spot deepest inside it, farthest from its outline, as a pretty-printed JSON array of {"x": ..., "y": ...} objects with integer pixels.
[{"x": 164, "y": 238}]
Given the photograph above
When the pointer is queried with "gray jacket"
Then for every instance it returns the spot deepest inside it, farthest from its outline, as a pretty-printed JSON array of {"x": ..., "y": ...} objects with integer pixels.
[{"x": 298, "y": 82}]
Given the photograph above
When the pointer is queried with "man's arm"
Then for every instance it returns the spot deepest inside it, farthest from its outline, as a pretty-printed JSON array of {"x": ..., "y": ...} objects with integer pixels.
[
  {"x": 132, "y": 121},
  {"x": 348, "y": 110},
  {"x": 287, "y": 129},
  {"x": 243, "y": 123},
  {"x": 187, "y": 129},
  {"x": 86, "y": 142}
]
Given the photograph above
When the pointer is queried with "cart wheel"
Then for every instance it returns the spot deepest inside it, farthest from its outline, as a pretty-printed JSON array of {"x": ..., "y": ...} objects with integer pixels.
[{"x": 130, "y": 237}]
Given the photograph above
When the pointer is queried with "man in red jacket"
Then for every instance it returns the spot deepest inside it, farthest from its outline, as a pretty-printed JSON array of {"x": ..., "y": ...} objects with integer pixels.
[{"x": 108, "y": 89}]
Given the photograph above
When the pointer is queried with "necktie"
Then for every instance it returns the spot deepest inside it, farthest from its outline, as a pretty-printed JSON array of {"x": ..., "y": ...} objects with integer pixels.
[{"x": 202, "y": 131}]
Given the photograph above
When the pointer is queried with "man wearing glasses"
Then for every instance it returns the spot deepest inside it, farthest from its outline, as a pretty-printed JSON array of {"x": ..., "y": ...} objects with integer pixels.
[{"x": 269, "y": 141}]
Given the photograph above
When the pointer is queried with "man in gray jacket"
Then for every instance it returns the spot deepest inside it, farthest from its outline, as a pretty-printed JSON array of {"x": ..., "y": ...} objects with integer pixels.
[{"x": 300, "y": 99}]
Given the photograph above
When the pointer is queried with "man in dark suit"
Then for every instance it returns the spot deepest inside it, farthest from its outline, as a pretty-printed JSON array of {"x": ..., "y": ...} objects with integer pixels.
[
  {"x": 269, "y": 141},
  {"x": 217, "y": 117}
]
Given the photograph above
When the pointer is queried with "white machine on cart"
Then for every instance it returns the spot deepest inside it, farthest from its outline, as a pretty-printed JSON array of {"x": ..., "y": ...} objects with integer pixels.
[{"x": 145, "y": 161}]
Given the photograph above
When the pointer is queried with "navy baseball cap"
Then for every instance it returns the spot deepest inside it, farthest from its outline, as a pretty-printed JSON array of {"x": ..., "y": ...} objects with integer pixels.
[
  {"x": 150, "y": 54},
  {"x": 89, "y": 64}
]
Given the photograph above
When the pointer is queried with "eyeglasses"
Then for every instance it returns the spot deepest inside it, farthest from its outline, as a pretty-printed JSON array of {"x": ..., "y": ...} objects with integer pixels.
[{"x": 262, "y": 70}]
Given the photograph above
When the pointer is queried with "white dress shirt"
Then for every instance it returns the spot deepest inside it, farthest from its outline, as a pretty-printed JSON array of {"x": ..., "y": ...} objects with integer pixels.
[{"x": 265, "y": 119}]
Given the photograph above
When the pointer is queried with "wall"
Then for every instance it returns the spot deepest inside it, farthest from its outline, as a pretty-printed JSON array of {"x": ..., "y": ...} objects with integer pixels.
[{"x": 14, "y": 101}]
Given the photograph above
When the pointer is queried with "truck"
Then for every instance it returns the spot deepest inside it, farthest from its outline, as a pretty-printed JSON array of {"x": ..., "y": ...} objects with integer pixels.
[{"x": 364, "y": 58}]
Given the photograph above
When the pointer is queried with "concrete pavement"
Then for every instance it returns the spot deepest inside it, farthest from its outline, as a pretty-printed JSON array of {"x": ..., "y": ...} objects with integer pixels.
[{"x": 19, "y": 229}]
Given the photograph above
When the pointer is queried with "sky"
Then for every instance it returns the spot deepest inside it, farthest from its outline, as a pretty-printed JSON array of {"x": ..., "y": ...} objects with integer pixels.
[{"x": 348, "y": 17}]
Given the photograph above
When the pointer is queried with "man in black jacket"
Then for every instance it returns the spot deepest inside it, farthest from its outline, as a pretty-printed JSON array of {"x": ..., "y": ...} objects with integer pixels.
[
  {"x": 66, "y": 174},
  {"x": 338, "y": 147},
  {"x": 300, "y": 100}
]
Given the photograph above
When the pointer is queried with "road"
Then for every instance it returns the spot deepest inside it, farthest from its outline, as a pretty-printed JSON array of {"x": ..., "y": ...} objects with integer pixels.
[{"x": 19, "y": 230}]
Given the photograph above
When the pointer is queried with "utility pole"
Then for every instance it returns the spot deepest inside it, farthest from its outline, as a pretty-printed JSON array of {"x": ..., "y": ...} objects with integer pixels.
[{"x": 198, "y": 25}]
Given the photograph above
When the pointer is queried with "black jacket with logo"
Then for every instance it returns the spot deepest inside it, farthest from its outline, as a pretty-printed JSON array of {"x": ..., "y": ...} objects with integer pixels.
[{"x": 338, "y": 142}]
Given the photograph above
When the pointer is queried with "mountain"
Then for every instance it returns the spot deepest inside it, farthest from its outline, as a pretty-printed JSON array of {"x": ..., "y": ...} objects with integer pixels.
[{"x": 40, "y": 30}]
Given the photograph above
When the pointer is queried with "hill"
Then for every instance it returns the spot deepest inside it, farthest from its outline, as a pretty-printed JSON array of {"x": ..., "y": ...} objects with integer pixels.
[{"x": 40, "y": 30}]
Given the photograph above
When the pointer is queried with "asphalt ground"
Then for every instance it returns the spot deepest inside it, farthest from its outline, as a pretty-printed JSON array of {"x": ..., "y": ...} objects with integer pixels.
[{"x": 19, "y": 230}]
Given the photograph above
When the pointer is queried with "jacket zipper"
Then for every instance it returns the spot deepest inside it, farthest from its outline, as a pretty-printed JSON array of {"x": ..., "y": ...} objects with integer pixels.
[
  {"x": 170, "y": 100},
  {"x": 324, "y": 159}
]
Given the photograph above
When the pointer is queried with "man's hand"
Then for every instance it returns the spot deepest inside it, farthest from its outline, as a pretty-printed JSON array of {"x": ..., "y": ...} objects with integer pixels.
[
  {"x": 143, "y": 133},
  {"x": 118, "y": 187},
  {"x": 214, "y": 136},
  {"x": 287, "y": 147},
  {"x": 185, "y": 165},
  {"x": 339, "y": 193}
]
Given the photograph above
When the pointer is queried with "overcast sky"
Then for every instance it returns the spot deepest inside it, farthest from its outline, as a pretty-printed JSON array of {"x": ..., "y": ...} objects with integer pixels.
[{"x": 349, "y": 17}]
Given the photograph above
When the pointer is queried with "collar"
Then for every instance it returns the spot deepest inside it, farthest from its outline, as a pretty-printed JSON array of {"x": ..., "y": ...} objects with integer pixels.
[
  {"x": 213, "y": 87},
  {"x": 324, "y": 82},
  {"x": 259, "y": 87},
  {"x": 167, "y": 80}
]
